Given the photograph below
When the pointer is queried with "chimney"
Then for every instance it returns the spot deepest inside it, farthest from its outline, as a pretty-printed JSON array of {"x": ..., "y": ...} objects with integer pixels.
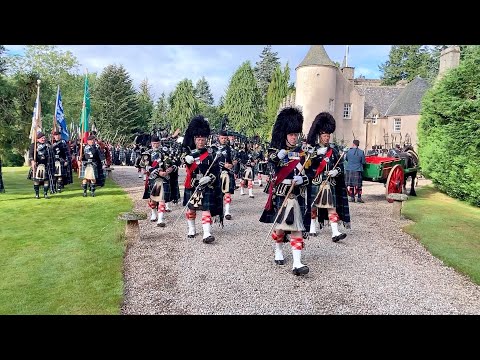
[
  {"x": 449, "y": 59},
  {"x": 346, "y": 70}
]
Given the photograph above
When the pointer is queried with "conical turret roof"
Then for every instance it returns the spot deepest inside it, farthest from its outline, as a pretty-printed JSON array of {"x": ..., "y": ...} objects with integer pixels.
[{"x": 316, "y": 56}]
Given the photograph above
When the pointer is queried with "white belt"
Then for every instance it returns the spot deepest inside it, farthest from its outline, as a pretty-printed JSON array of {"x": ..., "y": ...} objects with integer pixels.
[{"x": 287, "y": 181}]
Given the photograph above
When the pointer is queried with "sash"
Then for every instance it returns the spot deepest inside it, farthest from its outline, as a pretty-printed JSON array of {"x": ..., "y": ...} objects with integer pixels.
[
  {"x": 282, "y": 174},
  {"x": 190, "y": 169},
  {"x": 323, "y": 163}
]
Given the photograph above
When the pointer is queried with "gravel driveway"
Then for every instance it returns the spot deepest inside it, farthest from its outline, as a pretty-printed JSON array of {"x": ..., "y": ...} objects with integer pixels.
[{"x": 376, "y": 269}]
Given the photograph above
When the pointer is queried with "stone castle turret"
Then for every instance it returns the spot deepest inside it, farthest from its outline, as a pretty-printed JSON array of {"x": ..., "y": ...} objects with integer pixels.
[{"x": 315, "y": 84}]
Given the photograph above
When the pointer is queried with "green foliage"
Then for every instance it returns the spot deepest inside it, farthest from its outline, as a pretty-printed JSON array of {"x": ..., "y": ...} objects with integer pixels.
[
  {"x": 117, "y": 108},
  {"x": 183, "y": 105},
  {"x": 145, "y": 104},
  {"x": 67, "y": 259},
  {"x": 277, "y": 91},
  {"x": 160, "y": 113},
  {"x": 265, "y": 68},
  {"x": 212, "y": 114},
  {"x": 203, "y": 92},
  {"x": 449, "y": 131},
  {"x": 3, "y": 62},
  {"x": 243, "y": 101},
  {"x": 405, "y": 62}
]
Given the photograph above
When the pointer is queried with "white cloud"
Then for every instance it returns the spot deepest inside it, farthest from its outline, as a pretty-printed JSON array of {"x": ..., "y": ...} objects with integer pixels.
[{"x": 166, "y": 65}]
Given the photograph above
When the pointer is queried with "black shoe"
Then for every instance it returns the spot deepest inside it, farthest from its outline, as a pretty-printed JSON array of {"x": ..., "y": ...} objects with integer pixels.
[
  {"x": 228, "y": 217},
  {"x": 360, "y": 200},
  {"x": 190, "y": 236},
  {"x": 339, "y": 237},
  {"x": 93, "y": 194},
  {"x": 209, "y": 239},
  {"x": 280, "y": 262},
  {"x": 251, "y": 197},
  {"x": 162, "y": 224},
  {"x": 312, "y": 234},
  {"x": 301, "y": 271},
  {"x": 352, "y": 199}
]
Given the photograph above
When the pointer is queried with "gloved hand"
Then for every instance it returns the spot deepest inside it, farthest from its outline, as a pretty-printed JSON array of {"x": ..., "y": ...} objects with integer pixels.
[
  {"x": 281, "y": 154},
  {"x": 309, "y": 149},
  {"x": 333, "y": 173},
  {"x": 204, "y": 180},
  {"x": 322, "y": 150},
  {"x": 298, "y": 179},
  {"x": 189, "y": 159}
]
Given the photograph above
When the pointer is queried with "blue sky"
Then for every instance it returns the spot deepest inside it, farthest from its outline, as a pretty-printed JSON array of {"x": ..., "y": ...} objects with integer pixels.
[{"x": 165, "y": 65}]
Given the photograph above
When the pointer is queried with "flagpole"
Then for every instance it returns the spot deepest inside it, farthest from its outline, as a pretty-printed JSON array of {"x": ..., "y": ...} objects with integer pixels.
[
  {"x": 54, "y": 128},
  {"x": 82, "y": 126},
  {"x": 36, "y": 124}
]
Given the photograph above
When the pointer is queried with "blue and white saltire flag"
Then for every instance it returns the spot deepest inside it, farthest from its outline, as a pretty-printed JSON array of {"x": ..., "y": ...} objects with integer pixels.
[{"x": 60, "y": 116}]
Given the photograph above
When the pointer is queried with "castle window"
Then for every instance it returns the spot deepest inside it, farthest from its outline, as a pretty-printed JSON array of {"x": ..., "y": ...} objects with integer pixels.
[
  {"x": 397, "y": 125},
  {"x": 347, "y": 111},
  {"x": 331, "y": 105},
  {"x": 374, "y": 119}
]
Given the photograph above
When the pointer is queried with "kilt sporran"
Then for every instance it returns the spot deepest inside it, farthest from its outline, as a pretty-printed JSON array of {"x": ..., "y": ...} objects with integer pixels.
[
  {"x": 325, "y": 196},
  {"x": 40, "y": 173}
]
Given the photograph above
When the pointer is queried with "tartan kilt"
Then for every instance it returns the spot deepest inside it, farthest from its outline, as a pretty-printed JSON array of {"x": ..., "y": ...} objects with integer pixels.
[
  {"x": 208, "y": 201},
  {"x": 313, "y": 191},
  {"x": 83, "y": 167},
  {"x": 269, "y": 218},
  {"x": 46, "y": 173},
  {"x": 353, "y": 178},
  {"x": 166, "y": 190}
]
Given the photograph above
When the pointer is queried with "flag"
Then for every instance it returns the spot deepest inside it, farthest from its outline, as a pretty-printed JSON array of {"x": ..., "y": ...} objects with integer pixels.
[
  {"x": 84, "y": 117},
  {"x": 36, "y": 117},
  {"x": 60, "y": 116}
]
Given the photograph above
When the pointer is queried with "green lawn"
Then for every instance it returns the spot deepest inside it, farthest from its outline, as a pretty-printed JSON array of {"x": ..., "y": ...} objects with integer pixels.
[
  {"x": 448, "y": 228},
  {"x": 62, "y": 255}
]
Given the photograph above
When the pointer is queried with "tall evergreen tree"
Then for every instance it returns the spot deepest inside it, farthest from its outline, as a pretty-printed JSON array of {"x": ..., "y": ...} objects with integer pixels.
[
  {"x": 203, "y": 93},
  {"x": 243, "y": 101},
  {"x": 405, "y": 62},
  {"x": 145, "y": 104},
  {"x": 160, "y": 113},
  {"x": 183, "y": 105},
  {"x": 277, "y": 91},
  {"x": 3, "y": 61},
  {"x": 117, "y": 104},
  {"x": 265, "y": 68}
]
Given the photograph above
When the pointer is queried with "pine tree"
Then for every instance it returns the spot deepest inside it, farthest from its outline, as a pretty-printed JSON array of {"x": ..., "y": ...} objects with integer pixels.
[
  {"x": 160, "y": 112},
  {"x": 277, "y": 91},
  {"x": 203, "y": 93},
  {"x": 3, "y": 62},
  {"x": 405, "y": 62},
  {"x": 243, "y": 101},
  {"x": 265, "y": 68},
  {"x": 117, "y": 104},
  {"x": 145, "y": 103},
  {"x": 183, "y": 105}
]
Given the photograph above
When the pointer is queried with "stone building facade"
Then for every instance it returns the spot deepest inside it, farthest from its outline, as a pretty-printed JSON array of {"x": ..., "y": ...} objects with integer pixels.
[{"x": 378, "y": 116}]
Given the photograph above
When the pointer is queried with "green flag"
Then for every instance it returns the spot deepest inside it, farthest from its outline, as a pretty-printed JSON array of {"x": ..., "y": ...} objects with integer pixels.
[{"x": 84, "y": 117}]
